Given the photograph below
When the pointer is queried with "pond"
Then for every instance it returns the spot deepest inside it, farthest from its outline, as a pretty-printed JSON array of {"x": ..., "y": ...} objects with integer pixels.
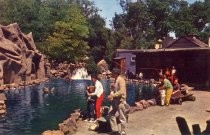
[{"x": 31, "y": 112}]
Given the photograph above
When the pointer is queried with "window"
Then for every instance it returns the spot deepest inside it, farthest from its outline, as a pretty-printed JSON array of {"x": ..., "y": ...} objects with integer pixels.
[{"x": 133, "y": 59}]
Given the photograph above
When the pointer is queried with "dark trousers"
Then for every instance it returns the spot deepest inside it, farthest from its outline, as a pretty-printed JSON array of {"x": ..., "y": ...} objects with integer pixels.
[{"x": 90, "y": 109}]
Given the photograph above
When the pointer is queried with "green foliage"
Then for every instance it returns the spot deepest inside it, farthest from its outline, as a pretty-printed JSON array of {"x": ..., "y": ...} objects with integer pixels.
[
  {"x": 182, "y": 20},
  {"x": 134, "y": 28},
  {"x": 160, "y": 16},
  {"x": 60, "y": 28},
  {"x": 36, "y": 16},
  {"x": 205, "y": 34},
  {"x": 110, "y": 47},
  {"x": 91, "y": 66},
  {"x": 65, "y": 31},
  {"x": 68, "y": 41},
  {"x": 144, "y": 22},
  {"x": 88, "y": 8},
  {"x": 50, "y": 11},
  {"x": 2, "y": 12},
  {"x": 100, "y": 39},
  {"x": 24, "y": 12}
]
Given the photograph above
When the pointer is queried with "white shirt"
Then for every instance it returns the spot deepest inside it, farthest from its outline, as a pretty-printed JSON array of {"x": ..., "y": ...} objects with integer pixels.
[
  {"x": 98, "y": 89},
  {"x": 173, "y": 71}
]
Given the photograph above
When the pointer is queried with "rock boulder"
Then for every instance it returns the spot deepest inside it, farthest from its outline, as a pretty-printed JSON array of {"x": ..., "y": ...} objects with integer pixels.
[{"x": 19, "y": 58}]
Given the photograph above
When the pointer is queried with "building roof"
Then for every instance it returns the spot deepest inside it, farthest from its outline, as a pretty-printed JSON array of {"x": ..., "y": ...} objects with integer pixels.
[
  {"x": 134, "y": 51},
  {"x": 168, "y": 50},
  {"x": 167, "y": 41},
  {"x": 187, "y": 42},
  {"x": 184, "y": 43},
  {"x": 125, "y": 50},
  {"x": 118, "y": 58}
]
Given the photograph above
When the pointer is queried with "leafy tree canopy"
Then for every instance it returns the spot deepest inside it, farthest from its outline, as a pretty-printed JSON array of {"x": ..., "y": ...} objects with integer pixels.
[
  {"x": 71, "y": 29},
  {"x": 68, "y": 40},
  {"x": 142, "y": 23}
]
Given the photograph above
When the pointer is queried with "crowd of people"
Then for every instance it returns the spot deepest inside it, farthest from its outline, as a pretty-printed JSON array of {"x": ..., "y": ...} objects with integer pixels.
[
  {"x": 117, "y": 98},
  {"x": 169, "y": 86}
]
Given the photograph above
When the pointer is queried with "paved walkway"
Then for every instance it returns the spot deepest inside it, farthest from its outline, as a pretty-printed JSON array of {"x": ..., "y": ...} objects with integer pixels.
[{"x": 157, "y": 120}]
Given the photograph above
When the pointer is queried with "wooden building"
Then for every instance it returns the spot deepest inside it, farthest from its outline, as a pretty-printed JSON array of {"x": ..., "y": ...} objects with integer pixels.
[
  {"x": 120, "y": 64},
  {"x": 125, "y": 60},
  {"x": 189, "y": 56}
]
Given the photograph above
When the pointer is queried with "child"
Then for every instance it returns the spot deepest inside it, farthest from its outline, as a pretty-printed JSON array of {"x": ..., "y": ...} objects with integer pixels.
[
  {"x": 162, "y": 93},
  {"x": 90, "y": 104},
  {"x": 162, "y": 96},
  {"x": 167, "y": 86}
]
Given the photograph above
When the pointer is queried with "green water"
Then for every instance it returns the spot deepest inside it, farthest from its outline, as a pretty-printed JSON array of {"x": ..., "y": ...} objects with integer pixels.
[{"x": 31, "y": 112}]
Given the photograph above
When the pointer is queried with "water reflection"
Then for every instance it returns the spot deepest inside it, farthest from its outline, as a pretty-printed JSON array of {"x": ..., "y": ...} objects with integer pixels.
[
  {"x": 139, "y": 90},
  {"x": 30, "y": 111}
]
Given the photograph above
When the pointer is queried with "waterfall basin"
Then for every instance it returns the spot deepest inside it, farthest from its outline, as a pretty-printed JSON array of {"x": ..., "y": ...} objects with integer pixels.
[{"x": 30, "y": 111}]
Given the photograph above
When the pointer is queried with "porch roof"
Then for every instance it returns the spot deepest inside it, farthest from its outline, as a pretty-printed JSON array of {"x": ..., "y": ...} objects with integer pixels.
[
  {"x": 119, "y": 58},
  {"x": 168, "y": 50}
]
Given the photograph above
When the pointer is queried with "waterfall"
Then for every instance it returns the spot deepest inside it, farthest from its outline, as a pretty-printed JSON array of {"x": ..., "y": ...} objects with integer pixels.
[{"x": 80, "y": 74}]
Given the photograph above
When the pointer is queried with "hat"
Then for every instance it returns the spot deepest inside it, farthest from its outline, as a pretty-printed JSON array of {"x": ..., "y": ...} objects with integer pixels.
[{"x": 116, "y": 71}]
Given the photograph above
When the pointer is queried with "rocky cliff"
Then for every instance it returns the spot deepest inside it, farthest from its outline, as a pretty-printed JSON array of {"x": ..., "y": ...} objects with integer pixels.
[{"x": 19, "y": 59}]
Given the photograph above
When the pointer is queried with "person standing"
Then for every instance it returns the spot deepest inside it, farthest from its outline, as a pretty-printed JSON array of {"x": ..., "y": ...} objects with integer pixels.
[
  {"x": 173, "y": 71},
  {"x": 90, "y": 104},
  {"x": 173, "y": 75},
  {"x": 118, "y": 102},
  {"x": 99, "y": 93},
  {"x": 167, "y": 86},
  {"x": 162, "y": 96}
]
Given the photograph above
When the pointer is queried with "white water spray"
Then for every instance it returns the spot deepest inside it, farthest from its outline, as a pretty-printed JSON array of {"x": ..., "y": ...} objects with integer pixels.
[{"x": 80, "y": 74}]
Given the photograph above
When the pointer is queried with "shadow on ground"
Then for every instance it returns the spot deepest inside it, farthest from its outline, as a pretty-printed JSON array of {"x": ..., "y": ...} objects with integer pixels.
[{"x": 184, "y": 128}]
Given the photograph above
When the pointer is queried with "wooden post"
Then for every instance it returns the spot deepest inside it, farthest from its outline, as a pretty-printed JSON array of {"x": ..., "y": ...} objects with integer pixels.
[{"x": 208, "y": 70}]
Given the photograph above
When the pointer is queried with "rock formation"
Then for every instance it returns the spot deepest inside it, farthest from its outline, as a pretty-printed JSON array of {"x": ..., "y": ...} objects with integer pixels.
[
  {"x": 67, "y": 127},
  {"x": 2, "y": 105},
  {"x": 103, "y": 68},
  {"x": 19, "y": 58},
  {"x": 68, "y": 71}
]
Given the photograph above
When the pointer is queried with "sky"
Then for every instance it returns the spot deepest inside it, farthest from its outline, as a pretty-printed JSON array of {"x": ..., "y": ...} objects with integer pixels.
[{"x": 110, "y": 7}]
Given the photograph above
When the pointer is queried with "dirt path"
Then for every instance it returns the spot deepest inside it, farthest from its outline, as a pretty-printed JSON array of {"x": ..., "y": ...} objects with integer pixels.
[{"x": 157, "y": 120}]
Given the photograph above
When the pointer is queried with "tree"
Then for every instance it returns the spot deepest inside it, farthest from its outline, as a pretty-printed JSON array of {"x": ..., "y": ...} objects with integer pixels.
[
  {"x": 50, "y": 11},
  {"x": 190, "y": 19},
  {"x": 160, "y": 12},
  {"x": 144, "y": 22},
  {"x": 201, "y": 19},
  {"x": 88, "y": 8},
  {"x": 205, "y": 34},
  {"x": 68, "y": 41},
  {"x": 100, "y": 39},
  {"x": 91, "y": 66},
  {"x": 200, "y": 16},
  {"x": 36, "y": 16},
  {"x": 24, "y": 12},
  {"x": 2, "y": 12},
  {"x": 134, "y": 27}
]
